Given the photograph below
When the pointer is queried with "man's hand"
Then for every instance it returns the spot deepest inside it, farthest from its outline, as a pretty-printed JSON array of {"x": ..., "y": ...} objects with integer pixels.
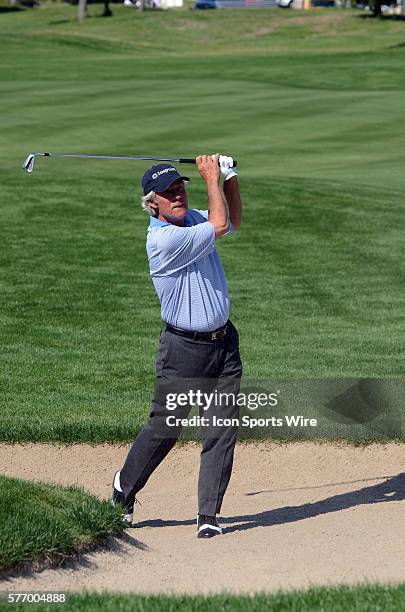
[
  {"x": 208, "y": 168},
  {"x": 226, "y": 165}
]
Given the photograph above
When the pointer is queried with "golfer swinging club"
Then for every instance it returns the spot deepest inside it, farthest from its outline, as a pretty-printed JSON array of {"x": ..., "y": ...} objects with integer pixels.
[{"x": 198, "y": 341}]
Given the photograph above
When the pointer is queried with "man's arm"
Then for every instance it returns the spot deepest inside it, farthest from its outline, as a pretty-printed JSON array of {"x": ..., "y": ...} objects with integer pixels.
[
  {"x": 232, "y": 194},
  {"x": 231, "y": 190},
  {"x": 218, "y": 213}
]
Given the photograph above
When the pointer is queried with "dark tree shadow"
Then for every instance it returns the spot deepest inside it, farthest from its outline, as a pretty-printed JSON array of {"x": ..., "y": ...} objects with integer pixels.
[
  {"x": 58, "y": 21},
  {"x": 393, "y": 17},
  {"x": 10, "y": 9},
  {"x": 382, "y": 17}
]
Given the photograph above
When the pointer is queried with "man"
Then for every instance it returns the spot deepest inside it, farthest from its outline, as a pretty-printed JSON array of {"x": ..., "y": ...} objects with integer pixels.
[{"x": 198, "y": 342}]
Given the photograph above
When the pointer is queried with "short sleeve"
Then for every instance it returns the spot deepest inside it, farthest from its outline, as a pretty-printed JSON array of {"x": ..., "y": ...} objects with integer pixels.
[
  {"x": 204, "y": 213},
  {"x": 177, "y": 247}
]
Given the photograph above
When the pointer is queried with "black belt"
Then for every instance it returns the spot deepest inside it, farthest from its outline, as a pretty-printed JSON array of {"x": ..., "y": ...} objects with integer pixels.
[{"x": 214, "y": 335}]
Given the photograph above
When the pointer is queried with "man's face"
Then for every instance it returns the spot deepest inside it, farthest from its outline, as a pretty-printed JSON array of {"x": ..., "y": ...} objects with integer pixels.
[{"x": 173, "y": 203}]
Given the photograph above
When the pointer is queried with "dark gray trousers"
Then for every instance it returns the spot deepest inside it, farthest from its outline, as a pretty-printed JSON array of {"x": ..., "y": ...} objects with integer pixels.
[{"x": 183, "y": 364}]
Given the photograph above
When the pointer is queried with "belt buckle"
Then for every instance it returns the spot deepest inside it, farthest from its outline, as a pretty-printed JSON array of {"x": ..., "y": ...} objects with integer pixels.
[{"x": 216, "y": 335}]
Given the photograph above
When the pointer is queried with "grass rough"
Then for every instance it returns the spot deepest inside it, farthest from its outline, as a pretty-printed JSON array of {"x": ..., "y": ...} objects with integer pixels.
[{"x": 44, "y": 524}]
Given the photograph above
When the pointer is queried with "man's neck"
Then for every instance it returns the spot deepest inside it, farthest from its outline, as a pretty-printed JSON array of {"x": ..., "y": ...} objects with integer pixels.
[{"x": 179, "y": 222}]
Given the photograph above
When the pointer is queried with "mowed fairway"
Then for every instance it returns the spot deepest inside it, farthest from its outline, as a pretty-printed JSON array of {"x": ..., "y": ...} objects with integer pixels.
[{"x": 312, "y": 105}]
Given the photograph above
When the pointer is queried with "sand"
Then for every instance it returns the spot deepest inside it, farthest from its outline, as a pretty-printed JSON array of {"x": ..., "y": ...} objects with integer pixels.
[{"x": 295, "y": 515}]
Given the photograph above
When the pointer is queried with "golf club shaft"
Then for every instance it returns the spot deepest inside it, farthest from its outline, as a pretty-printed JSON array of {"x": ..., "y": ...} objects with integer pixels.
[
  {"x": 28, "y": 165},
  {"x": 171, "y": 159}
]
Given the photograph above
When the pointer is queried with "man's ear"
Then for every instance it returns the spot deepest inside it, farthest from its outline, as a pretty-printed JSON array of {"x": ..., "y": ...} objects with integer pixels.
[{"x": 154, "y": 205}]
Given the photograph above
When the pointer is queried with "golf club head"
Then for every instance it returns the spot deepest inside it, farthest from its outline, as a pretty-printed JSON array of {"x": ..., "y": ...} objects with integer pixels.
[{"x": 28, "y": 165}]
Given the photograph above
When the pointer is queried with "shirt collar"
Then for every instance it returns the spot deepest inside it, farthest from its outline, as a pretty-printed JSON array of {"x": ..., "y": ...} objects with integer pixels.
[{"x": 155, "y": 222}]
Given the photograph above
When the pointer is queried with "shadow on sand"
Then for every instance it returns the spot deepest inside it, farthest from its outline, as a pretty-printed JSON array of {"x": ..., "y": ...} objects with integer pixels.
[
  {"x": 75, "y": 561},
  {"x": 392, "y": 489}
]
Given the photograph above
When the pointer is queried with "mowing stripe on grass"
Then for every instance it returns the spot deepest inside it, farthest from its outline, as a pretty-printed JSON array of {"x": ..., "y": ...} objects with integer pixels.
[{"x": 316, "y": 272}]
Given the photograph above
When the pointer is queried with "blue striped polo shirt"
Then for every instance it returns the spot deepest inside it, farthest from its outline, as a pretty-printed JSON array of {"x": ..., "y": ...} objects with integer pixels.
[{"x": 187, "y": 273}]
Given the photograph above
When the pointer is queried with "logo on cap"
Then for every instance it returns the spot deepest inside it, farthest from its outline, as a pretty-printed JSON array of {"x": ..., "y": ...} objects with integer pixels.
[{"x": 156, "y": 174}]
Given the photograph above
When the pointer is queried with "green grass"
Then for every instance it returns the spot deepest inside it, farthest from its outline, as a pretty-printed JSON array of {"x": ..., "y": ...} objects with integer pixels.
[
  {"x": 311, "y": 104},
  {"x": 357, "y": 599},
  {"x": 47, "y": 524}
]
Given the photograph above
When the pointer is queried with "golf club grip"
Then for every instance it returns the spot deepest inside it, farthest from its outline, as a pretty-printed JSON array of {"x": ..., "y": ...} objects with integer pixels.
[{"x": 190, "y": 160}]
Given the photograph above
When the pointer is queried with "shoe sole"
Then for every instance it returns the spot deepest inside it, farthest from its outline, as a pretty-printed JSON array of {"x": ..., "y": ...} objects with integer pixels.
[{"x": 208, "y": 531}]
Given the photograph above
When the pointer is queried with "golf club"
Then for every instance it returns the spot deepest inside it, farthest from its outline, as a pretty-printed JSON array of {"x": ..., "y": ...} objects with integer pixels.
[{"x": 28, "y": 164}]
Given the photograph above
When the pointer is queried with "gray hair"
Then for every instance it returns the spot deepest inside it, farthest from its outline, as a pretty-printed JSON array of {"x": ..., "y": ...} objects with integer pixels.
[{"x": 145, "y": 203}]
